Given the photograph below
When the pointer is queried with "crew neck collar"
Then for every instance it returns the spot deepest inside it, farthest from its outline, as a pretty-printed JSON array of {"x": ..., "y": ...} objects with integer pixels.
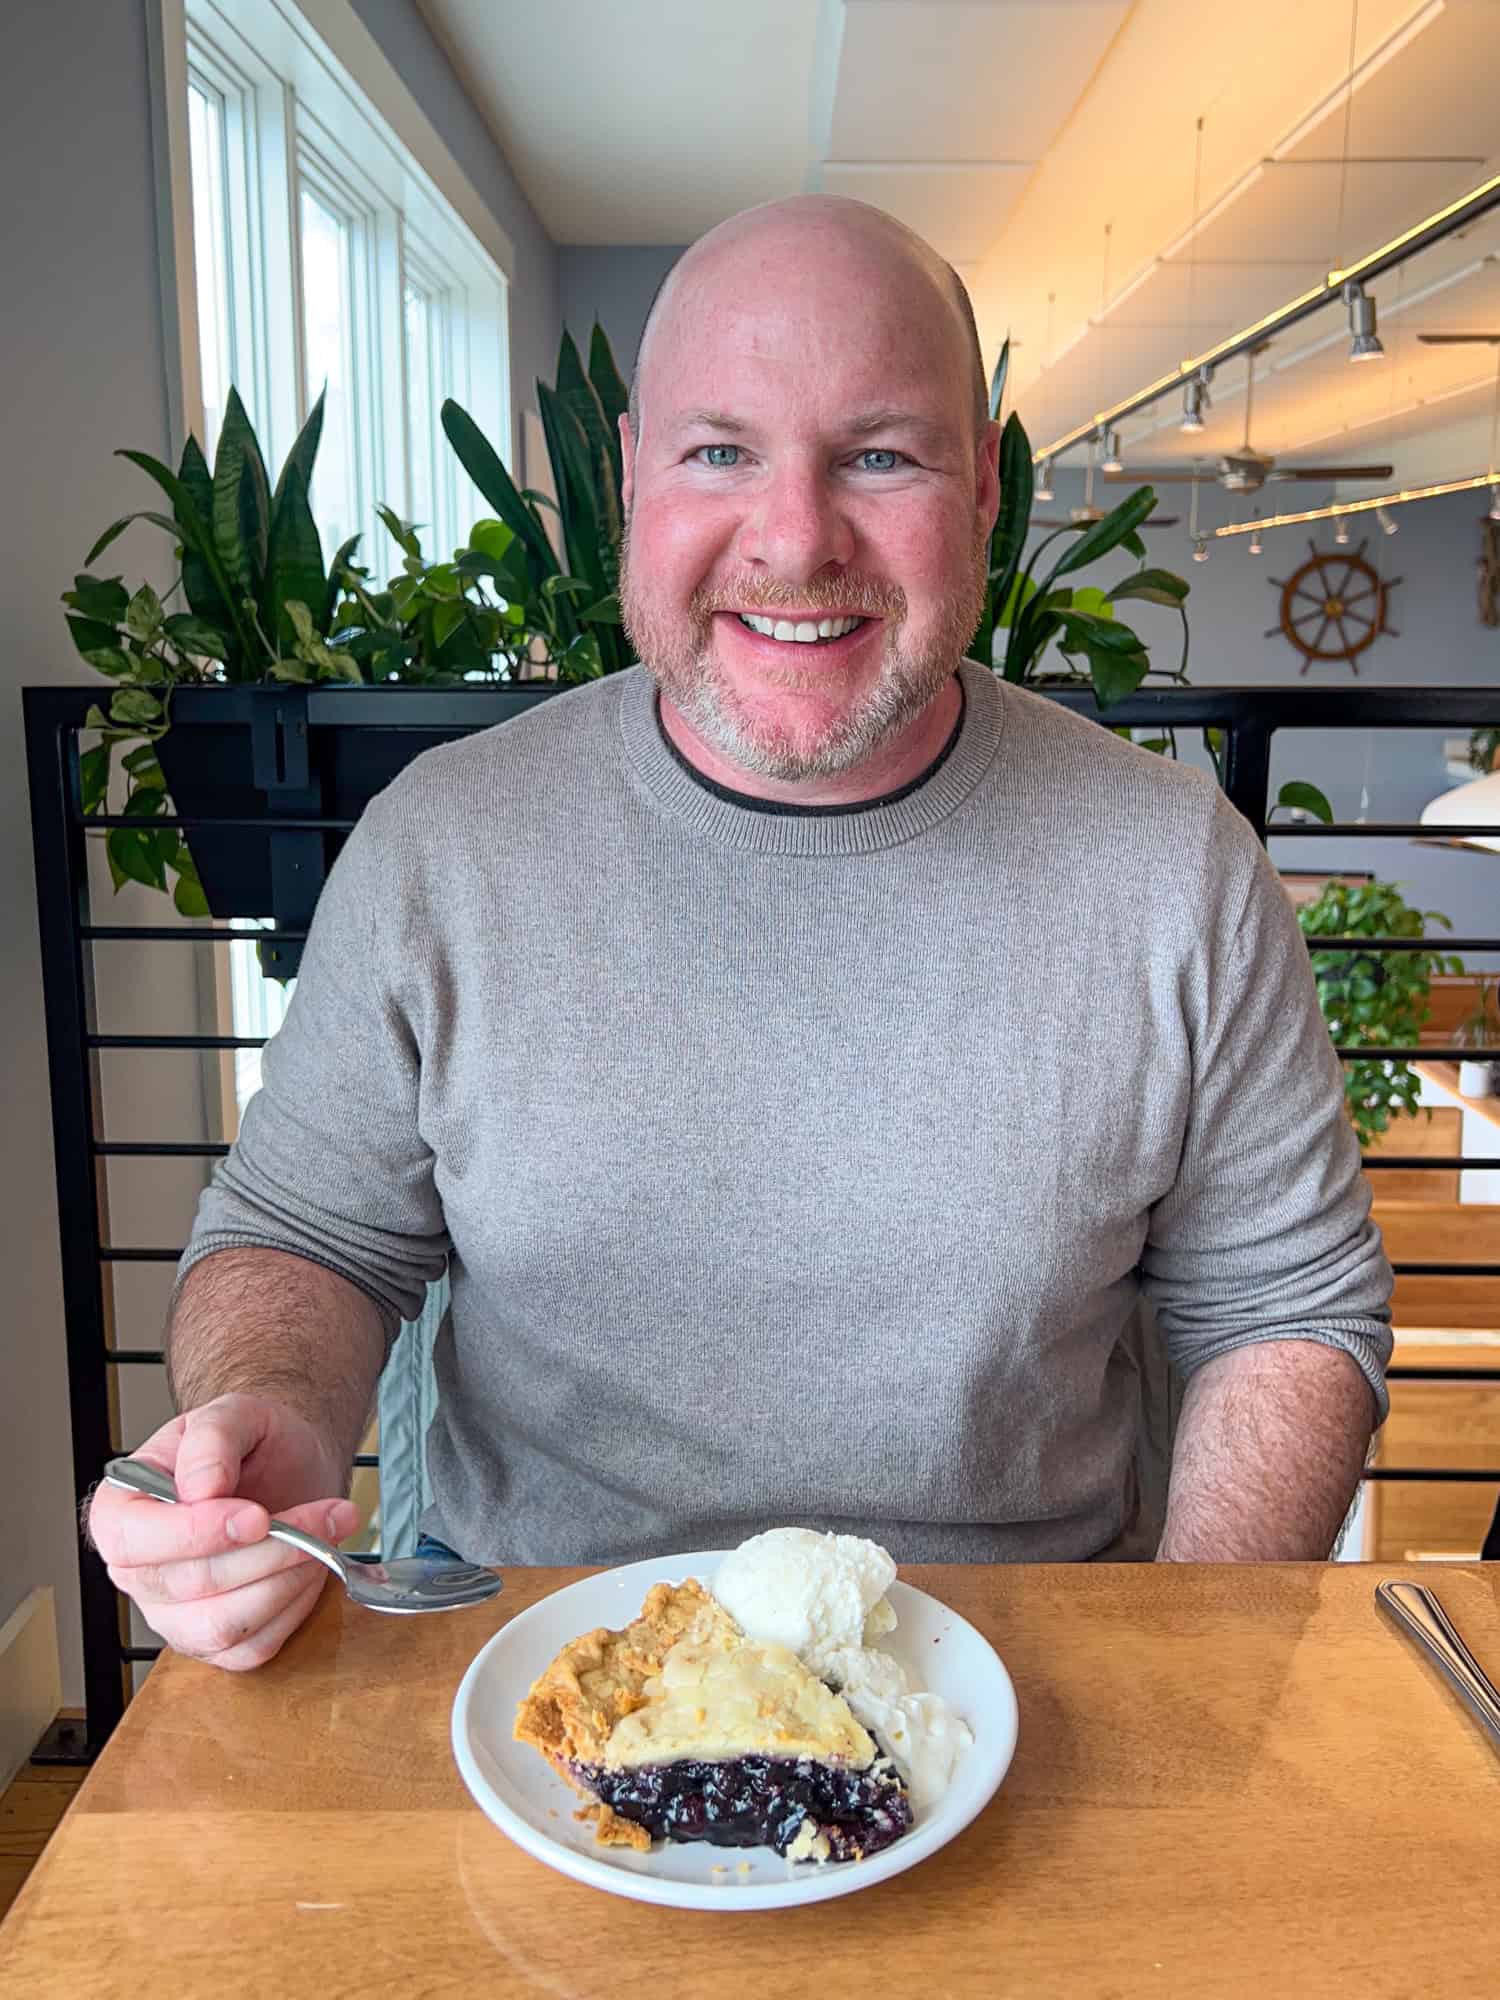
[{"x": 718, "y": 816}]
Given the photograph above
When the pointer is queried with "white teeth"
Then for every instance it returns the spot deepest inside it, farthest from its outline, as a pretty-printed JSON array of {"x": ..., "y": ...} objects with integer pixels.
[{"x": 804, "y": 632}]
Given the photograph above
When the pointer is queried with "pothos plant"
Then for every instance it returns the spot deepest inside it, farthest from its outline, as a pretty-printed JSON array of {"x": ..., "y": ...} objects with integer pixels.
[
  {"x": 258, "y": 604},
  {"x": 1378, "y": 999}
]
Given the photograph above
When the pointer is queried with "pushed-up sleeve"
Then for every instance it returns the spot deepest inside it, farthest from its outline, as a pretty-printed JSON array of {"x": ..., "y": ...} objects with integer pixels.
[
  {"x": 1266, "y": 1232},
  {"x": 330, "y": 1163}
]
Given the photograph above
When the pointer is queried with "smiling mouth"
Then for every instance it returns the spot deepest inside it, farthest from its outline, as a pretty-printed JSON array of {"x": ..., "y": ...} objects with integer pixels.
[{"x": 800, "y": 631}]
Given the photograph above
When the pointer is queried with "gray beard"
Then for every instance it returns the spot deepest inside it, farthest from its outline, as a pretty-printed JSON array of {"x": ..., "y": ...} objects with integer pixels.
[
  {"x": 896, "y": 700},
  {"x": 686, "y": 672}
]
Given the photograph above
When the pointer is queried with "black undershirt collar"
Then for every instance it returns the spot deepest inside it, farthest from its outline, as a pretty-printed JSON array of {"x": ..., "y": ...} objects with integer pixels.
[{"x": 789, "y": 811}]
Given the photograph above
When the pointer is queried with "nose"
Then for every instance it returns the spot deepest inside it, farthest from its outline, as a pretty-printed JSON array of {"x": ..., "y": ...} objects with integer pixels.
[{"x": 797, "y": 526}]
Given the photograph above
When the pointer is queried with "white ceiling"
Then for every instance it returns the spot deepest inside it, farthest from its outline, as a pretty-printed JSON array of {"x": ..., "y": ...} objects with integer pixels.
[{"x": 1051, "y": 150}]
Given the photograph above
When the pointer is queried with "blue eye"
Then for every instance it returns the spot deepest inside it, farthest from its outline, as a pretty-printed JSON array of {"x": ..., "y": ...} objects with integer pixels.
[
  {"x": 721, "y": 455},
  {"x": 889, "y": 460}
]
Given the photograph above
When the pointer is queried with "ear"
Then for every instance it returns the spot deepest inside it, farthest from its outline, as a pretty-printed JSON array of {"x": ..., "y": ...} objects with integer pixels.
[
  {"x": 627, "y": 461},
  {"x": 987, "y": 477}
]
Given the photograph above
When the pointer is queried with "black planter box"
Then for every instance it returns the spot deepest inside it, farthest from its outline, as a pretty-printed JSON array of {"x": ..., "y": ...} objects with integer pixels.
[{"x": 284, "y": 754}]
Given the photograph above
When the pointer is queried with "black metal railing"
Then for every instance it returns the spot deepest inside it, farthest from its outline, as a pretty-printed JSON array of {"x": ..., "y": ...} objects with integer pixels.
[{"x": 410, "y": 720}]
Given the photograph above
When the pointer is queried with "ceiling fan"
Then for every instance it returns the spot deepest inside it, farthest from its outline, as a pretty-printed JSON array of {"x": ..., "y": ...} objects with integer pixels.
[
  {"x": 1082, "y": 517},
  {"x": 1248, "y": 470}
]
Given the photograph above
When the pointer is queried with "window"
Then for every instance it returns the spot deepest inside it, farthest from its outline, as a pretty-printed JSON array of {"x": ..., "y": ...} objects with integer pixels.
[
  {"x": 327, "y": 261},
  {"x": 327, "y": 258}
]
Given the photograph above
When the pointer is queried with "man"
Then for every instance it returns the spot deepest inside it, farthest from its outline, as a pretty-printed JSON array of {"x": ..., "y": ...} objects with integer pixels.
[{"x": 803, "y": 1075}]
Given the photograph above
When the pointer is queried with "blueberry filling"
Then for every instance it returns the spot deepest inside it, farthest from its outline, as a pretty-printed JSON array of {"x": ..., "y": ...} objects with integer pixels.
[{"x": 758, "y": 1802}]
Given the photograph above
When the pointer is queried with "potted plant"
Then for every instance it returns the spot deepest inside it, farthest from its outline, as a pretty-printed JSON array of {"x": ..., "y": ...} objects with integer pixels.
[
  {"x": 1380, "y": 1000},
  {"x": 1480, "y": 1029}
]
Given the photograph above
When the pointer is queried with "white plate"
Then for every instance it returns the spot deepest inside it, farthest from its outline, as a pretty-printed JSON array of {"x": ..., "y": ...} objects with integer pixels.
[{"x": 521, "y": 1794}]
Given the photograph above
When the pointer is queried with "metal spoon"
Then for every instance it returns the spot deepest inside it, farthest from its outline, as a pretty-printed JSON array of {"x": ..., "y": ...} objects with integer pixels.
[{"x": 409, "y": 1583}]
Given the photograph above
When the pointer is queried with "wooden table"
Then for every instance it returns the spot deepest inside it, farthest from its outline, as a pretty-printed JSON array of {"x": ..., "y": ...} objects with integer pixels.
[{"x": 1230, "y": 1781}]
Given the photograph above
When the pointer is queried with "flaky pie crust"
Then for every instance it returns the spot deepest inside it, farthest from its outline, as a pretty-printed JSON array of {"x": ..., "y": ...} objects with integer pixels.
[{"x": 601, "y": 1677}]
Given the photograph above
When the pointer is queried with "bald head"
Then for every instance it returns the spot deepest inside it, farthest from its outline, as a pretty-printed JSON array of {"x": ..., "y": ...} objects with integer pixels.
[{"x": 764, "y": 245}]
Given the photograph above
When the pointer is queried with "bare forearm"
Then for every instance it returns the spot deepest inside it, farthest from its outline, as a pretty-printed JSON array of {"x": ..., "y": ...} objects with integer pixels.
[
  {"x": 265, "y": 1323},
  {"x": 1269, "y": 1449}
]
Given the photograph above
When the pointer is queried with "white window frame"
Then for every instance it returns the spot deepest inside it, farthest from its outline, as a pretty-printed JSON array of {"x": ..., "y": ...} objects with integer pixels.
[{"x": 306, "y": 90}]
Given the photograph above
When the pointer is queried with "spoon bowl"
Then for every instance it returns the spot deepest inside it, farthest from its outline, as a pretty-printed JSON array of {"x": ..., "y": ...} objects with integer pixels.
[{"x": 405, "y": 1584}]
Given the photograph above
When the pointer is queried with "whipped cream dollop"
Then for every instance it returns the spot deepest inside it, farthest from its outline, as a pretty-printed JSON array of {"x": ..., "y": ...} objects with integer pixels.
[{"x": 823, "y": 1596}]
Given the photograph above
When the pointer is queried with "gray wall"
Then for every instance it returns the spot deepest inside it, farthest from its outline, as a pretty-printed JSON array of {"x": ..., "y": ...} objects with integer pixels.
[
  {"x": 614, "y": 286},
  {"x": 84, "y": 362},
  {"x": 1374, "y": 774}
]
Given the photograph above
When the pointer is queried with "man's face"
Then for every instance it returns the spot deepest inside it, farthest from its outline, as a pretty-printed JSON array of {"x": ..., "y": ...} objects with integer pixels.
[{"x": 807, "y": 458}]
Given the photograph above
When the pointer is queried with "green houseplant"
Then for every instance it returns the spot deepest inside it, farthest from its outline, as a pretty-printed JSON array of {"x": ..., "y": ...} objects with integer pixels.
[{"x": 1379, "y": 999}]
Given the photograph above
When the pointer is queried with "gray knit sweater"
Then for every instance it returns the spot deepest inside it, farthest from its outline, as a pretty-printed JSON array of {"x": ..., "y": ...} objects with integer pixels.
[{"x": 807, "y": 1168}]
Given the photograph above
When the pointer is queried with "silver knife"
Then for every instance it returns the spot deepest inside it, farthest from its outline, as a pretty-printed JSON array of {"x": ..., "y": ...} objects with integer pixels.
[{"x": 1413, "y": 1609}]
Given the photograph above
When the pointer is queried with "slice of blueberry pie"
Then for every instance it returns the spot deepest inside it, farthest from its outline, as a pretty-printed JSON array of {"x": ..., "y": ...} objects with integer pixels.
[{"x": 678, "y": 1727}]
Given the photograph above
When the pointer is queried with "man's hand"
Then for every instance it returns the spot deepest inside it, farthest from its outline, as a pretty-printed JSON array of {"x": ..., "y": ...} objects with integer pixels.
[{"x": 206, "y": 1575}]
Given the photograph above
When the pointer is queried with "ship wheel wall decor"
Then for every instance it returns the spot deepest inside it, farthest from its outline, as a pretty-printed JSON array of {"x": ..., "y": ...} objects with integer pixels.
[{"x": 1334, "y": 607}]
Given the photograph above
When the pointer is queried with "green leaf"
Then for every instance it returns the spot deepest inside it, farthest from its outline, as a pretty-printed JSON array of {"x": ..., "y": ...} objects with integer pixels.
[
  {"x": 242, "y": 502},
  {"x": 1021, "y": 592},
  {"x": 133, "y": 857},
  {"x": 300, "y": 619},
  {"x": 446, "y": 618},
  {"x": 93, "y": 776},
  {"x": 1306, "y": 798},
  {"x": 1105, "y": 635},
  {"x": 605, "y": 612},
  {"x": 91, "y": 635},
  {"x": 573, "y": 471},
  {"x": 578, "y": 394},
  {"x": 614, "y": 397},
  {"x": 491, "y": 538},
  {"x": 290, "y": 670},
  {"x": 102, "y": 598},
  {"x": 143, "y": 614},
  {"x": 143, "y": 765},
  {"x": 1116, "y": 675},
  {"x": 118, "y": 528},
  {"x": 195, "y": 635},
  {"x": 1156, "y": 586},
  {"x": 303, "y": 454},
  {"x": 401, "y": 532},
  {"x": 1017, "y": 483},
  {"x": 336, "y": 568},
  {"x": 188, "y": 894},
  {"x": 111, "y": 660},
  {"x": 202, "y": 580},
  {"x": 1095, "y": 602},
  {"x": 1107, "y": 534},
  {"x": 134, "y": 705},
  {"x": 96, "y": 718},
  {"x": 478, "y": 458},
  {"x": 294, "y": 559},
  {"x": 997, "y": 380}
]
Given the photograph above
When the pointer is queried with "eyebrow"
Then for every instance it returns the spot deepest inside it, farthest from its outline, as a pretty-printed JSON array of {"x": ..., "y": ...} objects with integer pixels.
[{"x": 865, "y": 424}]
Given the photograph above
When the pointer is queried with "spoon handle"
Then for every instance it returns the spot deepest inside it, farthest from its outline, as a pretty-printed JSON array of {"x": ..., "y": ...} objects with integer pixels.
[
  {"x": 1416, "y": 1612},
  {"x": 136, "y": 1476}
]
